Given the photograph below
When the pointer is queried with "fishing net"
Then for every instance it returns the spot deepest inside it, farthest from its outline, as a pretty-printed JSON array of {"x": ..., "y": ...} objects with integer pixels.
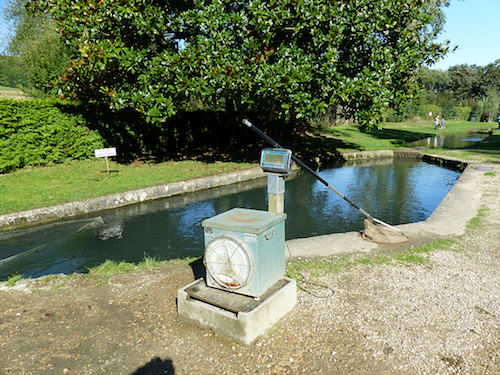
[{"x": 382, "y": 234}]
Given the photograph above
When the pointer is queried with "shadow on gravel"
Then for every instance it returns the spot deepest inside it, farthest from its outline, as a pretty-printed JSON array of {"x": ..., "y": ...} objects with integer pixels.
[{"x": 155, "y": 367}]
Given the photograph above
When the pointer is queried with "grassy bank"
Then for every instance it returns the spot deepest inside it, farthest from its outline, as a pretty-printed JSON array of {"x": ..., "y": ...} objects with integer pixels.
[
  {"x": 40, "y": 187},
  {"x": 393, "y": 135},
  {"x": 486, "y": 151}
]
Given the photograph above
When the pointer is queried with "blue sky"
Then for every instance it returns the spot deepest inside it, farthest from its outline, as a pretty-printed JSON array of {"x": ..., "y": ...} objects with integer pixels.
[
  {"x": 3, "y": 27},
  {"x": 473, "y": 25}
]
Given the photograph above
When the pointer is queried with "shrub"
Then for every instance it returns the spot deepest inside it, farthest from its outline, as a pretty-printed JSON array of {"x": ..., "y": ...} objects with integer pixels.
[
  {"x": 42, "y": 132},
  {"x": 393, "y": 115},
  {"x": 431, "y": 108},
  {"x": 462, "y": 112}
]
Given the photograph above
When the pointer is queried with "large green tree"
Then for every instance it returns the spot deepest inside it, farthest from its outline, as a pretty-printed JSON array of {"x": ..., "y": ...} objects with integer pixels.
[
  {"x": 464, "y": 81},
  {"x": 11, "y": 73},
  {"x": 490, "y": 105},
  {"x": 36, "y": 46},
  {"x": 281, "y": 58},
  {"x": 490, "y": 78}
]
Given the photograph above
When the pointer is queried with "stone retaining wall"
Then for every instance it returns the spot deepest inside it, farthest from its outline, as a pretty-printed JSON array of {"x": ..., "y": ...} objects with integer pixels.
[
  {"x": 448, "y": 162},
  {"x": 378, "y": 154},
  {"x": 49, "y": 214}
]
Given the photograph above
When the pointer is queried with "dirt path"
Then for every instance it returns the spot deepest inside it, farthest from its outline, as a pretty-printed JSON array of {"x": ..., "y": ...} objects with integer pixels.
[
  {"x": 129, "y": 325},
  {"x": 12, "y": 94},
  {"x": 442, "y": 317}
]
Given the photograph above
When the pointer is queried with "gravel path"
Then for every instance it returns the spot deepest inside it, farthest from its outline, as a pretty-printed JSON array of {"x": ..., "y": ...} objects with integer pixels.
[{"x": 440, "y": 317}]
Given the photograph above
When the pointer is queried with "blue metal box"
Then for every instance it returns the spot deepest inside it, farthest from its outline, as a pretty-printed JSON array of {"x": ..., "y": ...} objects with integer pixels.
[{"x": 245, "y": 250}]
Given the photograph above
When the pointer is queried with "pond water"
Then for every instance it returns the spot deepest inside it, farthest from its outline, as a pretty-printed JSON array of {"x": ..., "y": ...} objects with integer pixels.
[
  {"x": 396, "y": 191},
  {"x": 451, "y": 140}
]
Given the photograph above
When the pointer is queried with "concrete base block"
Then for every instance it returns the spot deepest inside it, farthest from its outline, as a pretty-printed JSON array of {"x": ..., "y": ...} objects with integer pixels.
[{"x": 243, "y": 327}]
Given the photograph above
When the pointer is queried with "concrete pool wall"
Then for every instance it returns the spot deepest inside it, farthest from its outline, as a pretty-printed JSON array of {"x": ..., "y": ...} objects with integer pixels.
[{"x": 448, "y": 220}]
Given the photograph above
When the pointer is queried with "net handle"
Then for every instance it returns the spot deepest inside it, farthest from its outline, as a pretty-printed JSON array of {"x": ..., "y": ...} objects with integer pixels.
[{"x": 275, "y": 144}]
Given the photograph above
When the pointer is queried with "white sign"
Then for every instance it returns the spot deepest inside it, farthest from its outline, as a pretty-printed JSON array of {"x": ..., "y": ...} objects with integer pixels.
[
  {"x": 105, "y": 152},
  {"x": 250, "y": 237}
]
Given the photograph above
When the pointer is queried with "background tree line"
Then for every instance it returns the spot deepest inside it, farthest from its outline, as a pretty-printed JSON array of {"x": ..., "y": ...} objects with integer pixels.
[
  {"x": 168, "y": 66},
  {"x": 36, "y": 54},
  {"x": 464, "y": 92}
]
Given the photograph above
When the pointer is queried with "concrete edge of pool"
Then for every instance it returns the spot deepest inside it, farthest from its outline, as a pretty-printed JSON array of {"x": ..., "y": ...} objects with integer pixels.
[
  {"x": 50, "y": 214},
  {"x": 449, "y": 219}
]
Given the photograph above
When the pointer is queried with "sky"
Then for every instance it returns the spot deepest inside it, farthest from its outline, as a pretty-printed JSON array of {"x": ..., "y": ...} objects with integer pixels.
[
  {"x": 472, "y": 25},
  {"x": 3, "y": 28}
]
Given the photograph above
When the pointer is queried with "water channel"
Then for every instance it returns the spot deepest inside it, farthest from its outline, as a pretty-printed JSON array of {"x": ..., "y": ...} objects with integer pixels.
[
  {"x": 396, "y": 191},
  {"x": 451, "y": 140}
]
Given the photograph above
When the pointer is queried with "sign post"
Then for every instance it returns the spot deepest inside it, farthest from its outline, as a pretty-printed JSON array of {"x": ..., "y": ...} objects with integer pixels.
[{"x": 105, "y": 153}]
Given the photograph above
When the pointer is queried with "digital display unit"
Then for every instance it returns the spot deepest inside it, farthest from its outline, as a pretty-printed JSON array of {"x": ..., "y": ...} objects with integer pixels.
[{"x": 276, "y": 160}]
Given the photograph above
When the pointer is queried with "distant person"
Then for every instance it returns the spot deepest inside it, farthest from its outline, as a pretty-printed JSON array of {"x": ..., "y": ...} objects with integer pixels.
[
  {"x": 436, "y": 122},
  {"x": 498, "y": 119},
  {"x": 443, "y": 123}
]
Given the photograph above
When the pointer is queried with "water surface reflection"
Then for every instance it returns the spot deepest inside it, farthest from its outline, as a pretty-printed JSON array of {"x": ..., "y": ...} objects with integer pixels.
[{"x": 451, "y": 140}]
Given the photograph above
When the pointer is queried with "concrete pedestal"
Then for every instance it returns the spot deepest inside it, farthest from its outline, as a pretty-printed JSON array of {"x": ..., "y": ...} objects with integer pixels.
[{"x": 240, "y": 318}]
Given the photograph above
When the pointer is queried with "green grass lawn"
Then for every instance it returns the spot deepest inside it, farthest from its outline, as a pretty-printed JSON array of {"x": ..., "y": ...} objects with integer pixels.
[
  {"x": 393, "y": 135},
  {"x": 12, "y": 93},
  {"x": 40, "y": 187}
]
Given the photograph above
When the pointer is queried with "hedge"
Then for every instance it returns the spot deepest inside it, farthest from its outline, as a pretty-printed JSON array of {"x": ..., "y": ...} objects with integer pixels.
[{"x": 43, "y": 132}]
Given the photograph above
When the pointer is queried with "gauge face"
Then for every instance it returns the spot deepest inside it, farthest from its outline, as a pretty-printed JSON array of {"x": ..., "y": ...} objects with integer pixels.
[{"x": 229, "y": 261}]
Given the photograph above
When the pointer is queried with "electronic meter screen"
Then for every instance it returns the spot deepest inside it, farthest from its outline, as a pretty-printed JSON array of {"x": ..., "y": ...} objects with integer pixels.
[{"x": 276, "y": 160}]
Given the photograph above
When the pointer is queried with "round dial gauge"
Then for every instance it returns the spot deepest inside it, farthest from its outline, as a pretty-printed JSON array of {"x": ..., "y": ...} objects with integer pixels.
[{"x": 229, "y": 261}]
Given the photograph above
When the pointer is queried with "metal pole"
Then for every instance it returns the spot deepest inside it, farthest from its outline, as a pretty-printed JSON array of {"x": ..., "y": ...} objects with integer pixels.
[{"x": 273, "y": 143}]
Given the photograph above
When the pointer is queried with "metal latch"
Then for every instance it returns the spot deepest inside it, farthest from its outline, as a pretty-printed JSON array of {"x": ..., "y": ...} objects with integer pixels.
[{"x": 268, "y": 235}]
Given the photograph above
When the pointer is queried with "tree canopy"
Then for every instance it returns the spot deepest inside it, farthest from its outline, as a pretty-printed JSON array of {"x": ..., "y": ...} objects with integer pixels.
[
  {"x": 281, "y": 58},
  {"x": 35, "y": 47},
  {"x": 11, "y": 73}
]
